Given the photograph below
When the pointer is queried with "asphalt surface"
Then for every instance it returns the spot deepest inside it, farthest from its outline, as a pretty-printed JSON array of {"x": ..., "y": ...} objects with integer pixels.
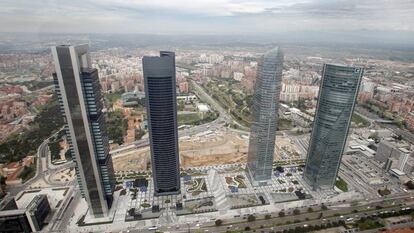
[{"x": 288, "y": 222}]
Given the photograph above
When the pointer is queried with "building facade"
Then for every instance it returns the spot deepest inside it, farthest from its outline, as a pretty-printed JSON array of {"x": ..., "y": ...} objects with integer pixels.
[
  {"x": 29, "y": 219},
  {"x": 337, "y": 97},
  {"x": 79, "y": 93},
  {"x": 160, "y": 92},
  {"x": 264, "y": 117}
]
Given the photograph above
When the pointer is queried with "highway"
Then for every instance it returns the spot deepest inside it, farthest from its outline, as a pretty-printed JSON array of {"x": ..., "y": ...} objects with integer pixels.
[
  {"x": 218, "y": 123},
  {"x": 334, "y": 213},
  {"x": 202, "y": 94}
]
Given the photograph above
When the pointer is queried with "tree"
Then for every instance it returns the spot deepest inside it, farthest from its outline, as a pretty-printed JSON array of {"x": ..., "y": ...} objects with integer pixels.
[
  {"x": 116, "y": 126},
  {"x": 324, "y": 207},
  {"x": 280, "y": 169},
  {"x": 296, "y": 211},
  {"x": 310, "y": 210},
  {"x": 251, "y": 218},
  {"x": 247, "y": 228},
  {"x": 18, "y": 146},
  {"x": 410, "y": 184},
  {"x": 374, "y": 136},
  {"x": 281, "y": 214},
  {"x": 218, "y": 222},
  {"x": 2, "y": 180},
  {"x": 268, "y": 216},
  {"x": 27, "y": 173}
]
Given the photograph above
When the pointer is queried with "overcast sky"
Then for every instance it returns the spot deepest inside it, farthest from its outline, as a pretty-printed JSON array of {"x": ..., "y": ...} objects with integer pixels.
[{"x": 204, "y": 16}]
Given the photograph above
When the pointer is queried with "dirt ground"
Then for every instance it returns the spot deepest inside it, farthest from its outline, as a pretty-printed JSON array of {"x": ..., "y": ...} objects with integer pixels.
[
  {"x": 206, "y": 150},
  {"x": 134, "y": 160},
  {"x": 213, "y": 149}
]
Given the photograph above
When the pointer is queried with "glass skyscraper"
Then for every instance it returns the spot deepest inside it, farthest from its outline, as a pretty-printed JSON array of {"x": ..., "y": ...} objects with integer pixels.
[
  {"x": 264, "y": 117},
  {"x": 160, "y": 92},
  {"x": 79, "y": 93},
  {"x": 337, "y": 95}
]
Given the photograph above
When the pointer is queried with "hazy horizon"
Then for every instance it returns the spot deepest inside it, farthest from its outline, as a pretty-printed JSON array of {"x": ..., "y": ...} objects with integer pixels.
[{"x": 207, "y": 17}]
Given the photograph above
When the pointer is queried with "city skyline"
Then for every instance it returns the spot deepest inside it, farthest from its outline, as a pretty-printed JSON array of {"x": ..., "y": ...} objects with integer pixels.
[{"x": 182, "y": 157}]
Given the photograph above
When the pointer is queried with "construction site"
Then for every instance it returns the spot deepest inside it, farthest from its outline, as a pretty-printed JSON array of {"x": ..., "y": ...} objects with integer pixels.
[{"x": 207, "y": 149}]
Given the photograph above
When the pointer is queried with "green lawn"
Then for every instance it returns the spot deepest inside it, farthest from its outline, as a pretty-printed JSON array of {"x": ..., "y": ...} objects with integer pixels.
[
  {"x": 341, "y": 184},
  {"x": 368, "y": 224},
  {"x": 359, "y": 121},
  {"x": 196, "y": 118}
]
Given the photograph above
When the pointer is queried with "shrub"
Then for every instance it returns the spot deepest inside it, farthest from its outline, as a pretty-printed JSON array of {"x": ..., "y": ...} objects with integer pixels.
[
  {"x": 218, "y": 222},
  {"x": 251, "y": 218}
]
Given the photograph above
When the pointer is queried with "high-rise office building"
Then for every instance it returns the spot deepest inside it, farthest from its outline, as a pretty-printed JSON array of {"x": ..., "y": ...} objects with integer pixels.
[
  {"x": 337, "y": 95},
  {"x": 160, "y": 92},
  {"x": 79, "y": 93},
  {"x": 264, "y": 117}
]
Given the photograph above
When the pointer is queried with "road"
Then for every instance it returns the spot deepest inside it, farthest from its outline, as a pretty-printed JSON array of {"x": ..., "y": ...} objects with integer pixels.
[
  {"x": 42, "y": 170},
  {"x": 218, "y": 123},
  {"x": 223, "y": 112},
  {"x": 406, "y": 135},
  {"x": 371, "y": 117},
  {"x": 334, "y": 213}
]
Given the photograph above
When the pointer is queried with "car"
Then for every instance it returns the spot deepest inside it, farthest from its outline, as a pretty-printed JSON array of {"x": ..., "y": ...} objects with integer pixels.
[
  {"x": 305, "y": 225},
  {"x": 153, "y": 228},
  {"x": 349, "y": 219}
]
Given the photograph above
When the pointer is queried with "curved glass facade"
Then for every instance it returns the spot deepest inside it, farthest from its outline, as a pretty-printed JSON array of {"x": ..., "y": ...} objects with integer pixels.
[
  {"x": 264, "y": 117},
  {"x": 159, "y": 75},
  {"x": 337, "y": 96}
]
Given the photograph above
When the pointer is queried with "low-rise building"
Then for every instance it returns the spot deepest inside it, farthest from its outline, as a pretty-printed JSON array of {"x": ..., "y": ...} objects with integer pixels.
[
  {"x": 409, "y": 120},
  {"x": 388, "y": 148},
  {"x": 29, "y": 219}
]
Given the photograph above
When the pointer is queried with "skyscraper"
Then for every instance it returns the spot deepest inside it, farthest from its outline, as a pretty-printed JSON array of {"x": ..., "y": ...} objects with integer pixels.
[
  {"x": 264, "y": 114},
  {"x": 160, "y": 92},
  {"x": 337, "y": 96},
  {"x": 79, "y": 93}
]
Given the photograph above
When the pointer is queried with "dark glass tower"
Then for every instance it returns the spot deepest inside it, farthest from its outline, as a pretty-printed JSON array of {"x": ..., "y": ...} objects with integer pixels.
[
  {"x": 264, "y": 114},
  {"x": 79, "y": 93},
  {"x": 160, "y": 92},
  {"x": 337, "y": 96}
]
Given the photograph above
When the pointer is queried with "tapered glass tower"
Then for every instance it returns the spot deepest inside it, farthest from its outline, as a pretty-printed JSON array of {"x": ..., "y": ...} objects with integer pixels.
[
  {"x": 264, "y": 117},
  {"x": 337, "y": 96},
  {"x": 160, "y": 92},
  {"x": 79, "y": 93}
]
